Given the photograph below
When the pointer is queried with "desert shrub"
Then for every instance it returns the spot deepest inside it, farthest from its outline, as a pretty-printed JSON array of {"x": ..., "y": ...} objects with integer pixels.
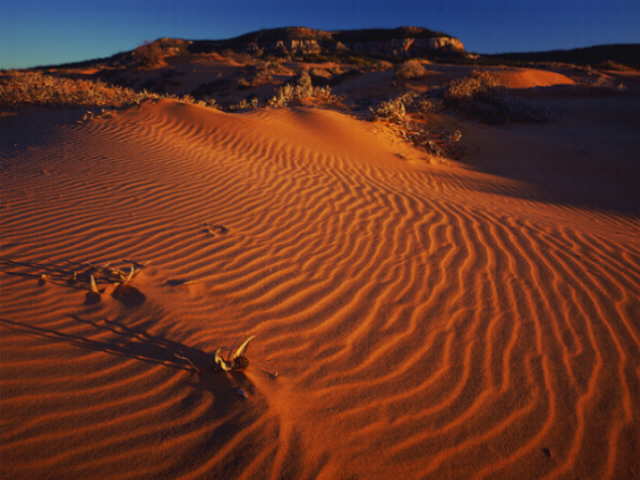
[
  {"x": 480, "y": 96},
  {"x": 410, "y": 70},
  {"x": 37, "y": 88},
  {"x": 428, "y": 105},
  {"x": 210, "y": 102},
  {"x": 303, "y": 90},
  {"x": 245, "y": 104},
  {"x": 476, "y": 85},
  {"x": 395, "y": 109},
  {"x": 438, "y": 141}
]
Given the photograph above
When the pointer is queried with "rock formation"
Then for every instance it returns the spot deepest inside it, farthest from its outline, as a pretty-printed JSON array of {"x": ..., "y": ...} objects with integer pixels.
[{"x": 394, "y": 43}]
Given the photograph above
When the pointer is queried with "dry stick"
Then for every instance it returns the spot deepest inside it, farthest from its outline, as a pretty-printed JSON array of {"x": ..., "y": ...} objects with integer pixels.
[
  {"x": 219, "y": 228},
  {"x": 182, "y": 357},
  {"x": 132, "y": 272},
  {"x": 93, "y": 285},
  {"x": 209, "y": 230}
]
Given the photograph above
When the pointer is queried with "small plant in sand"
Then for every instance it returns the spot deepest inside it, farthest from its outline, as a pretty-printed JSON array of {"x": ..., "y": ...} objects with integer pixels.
[
  {"x": 117, "y": 282},
  {"x": 235, "y": 360},
  {"x": 127, "y": 294}
]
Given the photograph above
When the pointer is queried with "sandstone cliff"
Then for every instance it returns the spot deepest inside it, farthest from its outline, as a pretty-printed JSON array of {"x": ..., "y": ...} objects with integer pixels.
[{"x": 399, "y": 42}]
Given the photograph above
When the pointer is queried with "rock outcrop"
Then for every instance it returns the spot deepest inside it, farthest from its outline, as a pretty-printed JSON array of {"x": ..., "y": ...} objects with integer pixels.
[
  {"x": 402, "y": 42},
  {"x": 407, "y": 47}
]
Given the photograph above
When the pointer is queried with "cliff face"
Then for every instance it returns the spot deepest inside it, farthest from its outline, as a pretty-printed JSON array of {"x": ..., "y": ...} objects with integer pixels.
[
  {"x": 392, "y": 43},
  {"x": 407, "y": 47}
]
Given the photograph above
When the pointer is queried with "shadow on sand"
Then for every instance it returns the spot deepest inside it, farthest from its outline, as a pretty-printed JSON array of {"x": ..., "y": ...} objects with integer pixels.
[{"x": 136, "y": 343}]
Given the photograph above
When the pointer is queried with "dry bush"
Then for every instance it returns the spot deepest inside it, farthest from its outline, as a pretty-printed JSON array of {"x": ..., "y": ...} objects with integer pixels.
[
  {"x": 37, "y": 88},
  {"x": 437, "y": 141},
  {"x": 393, "y": 110},
  {"x": 410, "y": 70},
  {"x": 396, "y": 110},
  {"x": 480, "y": 96},
  {"x": 300, "y": 92},
  {"x": 428, "y": 105},
  {"x": 468, "y": 88},
  {"x": 245, "y": 105}
]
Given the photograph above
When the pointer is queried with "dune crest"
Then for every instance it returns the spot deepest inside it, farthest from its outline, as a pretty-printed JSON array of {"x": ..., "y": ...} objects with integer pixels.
[{"x": 411, "y": 318}]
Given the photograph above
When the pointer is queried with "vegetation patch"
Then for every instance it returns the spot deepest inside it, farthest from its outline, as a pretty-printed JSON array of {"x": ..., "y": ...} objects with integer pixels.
[
  {"x": 410, "y": 70},
  {"x": 302, "y": 92},
  {"x": 37, "y": 88},
  {"x": 408, "y": 113},
  {"x": 480, "y": 96}
]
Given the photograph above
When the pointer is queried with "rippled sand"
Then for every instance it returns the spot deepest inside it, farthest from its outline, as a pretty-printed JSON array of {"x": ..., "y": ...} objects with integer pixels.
[{"x": 424, "y": 320}]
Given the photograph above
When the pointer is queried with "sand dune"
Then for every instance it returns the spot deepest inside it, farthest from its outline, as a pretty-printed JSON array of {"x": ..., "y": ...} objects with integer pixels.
[{"x": 424, "y": 320}]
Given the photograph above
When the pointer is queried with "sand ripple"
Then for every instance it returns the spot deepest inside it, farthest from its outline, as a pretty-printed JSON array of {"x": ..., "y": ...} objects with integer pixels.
[{"x": 420, "y": 325}]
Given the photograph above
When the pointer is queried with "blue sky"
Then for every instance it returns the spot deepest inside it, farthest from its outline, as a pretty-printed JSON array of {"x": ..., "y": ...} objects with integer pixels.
[{"x": 48, "y": 32}]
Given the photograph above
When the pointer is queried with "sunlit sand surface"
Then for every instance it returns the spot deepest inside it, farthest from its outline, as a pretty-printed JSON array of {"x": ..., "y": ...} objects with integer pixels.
[{"x": 414, "y": 317}]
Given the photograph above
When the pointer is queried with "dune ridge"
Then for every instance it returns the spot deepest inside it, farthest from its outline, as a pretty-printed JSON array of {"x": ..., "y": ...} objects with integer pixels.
[{"x": 421, "y": 320}]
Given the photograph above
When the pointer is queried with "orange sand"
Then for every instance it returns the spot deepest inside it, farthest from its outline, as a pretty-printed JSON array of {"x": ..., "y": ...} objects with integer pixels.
[
  {"x": 529, "y": 78},
  {"x": 428, "y": 321}
]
